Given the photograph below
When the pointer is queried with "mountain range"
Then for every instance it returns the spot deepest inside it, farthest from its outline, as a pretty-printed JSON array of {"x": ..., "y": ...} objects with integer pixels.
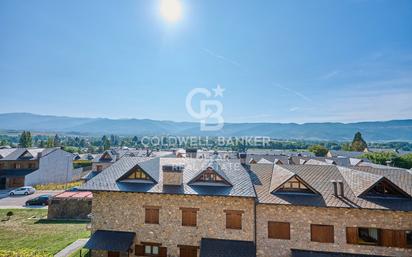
[{"x": 394, "y": 130}]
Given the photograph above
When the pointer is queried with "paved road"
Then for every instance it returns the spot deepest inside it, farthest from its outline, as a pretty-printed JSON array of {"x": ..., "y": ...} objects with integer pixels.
[{"x": 18, "y": 201}]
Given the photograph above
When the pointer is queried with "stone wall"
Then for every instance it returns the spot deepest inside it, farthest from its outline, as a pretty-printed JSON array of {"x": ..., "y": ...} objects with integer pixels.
[
  {"x": 70, "y": 208},
  {"x": 300, "y": 219},
  {"x": 125, "y": 212}
]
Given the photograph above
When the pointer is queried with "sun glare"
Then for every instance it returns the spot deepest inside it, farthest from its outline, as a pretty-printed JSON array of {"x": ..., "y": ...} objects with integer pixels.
[{"x": 171, "y": 10}]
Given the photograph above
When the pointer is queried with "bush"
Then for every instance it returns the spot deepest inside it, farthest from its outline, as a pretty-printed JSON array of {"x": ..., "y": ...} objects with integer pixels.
[
  {"x": 9, "y": 214},
  {"x": 23, "y": 253},
  {"x": 58, "y": 186}
]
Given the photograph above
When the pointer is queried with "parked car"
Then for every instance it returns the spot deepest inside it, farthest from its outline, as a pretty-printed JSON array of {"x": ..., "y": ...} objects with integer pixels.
[
  {"x": 23, "y": 191},
  {"x": 40, "y": 200}
]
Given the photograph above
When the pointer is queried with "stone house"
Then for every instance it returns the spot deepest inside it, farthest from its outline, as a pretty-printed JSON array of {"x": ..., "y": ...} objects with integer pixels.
[
  {"x": 33, "y": 166},
  {"x": 219, "y": 208},
  {"x": 70, "y": 205},
  {"x": 332, "y": 210},
  {"x": 173, "y": 206}
]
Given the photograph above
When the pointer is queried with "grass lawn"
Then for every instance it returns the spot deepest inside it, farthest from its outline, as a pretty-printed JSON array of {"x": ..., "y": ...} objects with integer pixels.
[{"x": 25, "y": 231}]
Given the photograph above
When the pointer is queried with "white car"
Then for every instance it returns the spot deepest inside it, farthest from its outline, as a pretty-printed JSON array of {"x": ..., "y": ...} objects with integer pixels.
[{"x": 23, "y": 191}]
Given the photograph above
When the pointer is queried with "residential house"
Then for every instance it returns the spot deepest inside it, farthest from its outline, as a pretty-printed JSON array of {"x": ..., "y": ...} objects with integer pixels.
[
  {"x": 33, "y": 166},
  {"x": 172, "y": 207},
  {"x": 327, "y": 210},
  {"x": 212, "y": 208}
]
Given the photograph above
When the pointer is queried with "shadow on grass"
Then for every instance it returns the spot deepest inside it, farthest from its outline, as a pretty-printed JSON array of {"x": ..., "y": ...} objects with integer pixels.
[{"x": 46, "y": 221}]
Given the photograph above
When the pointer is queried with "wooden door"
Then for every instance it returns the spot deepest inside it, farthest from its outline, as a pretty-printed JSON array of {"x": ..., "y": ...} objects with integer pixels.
[{"x": 113, "y": 254}]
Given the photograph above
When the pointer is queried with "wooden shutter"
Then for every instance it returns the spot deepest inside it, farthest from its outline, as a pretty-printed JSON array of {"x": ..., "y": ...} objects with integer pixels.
[
  {"x": 322, "y": 233},
  {"x": 189, "y": 216},
  {"x": 139, "y": 250},
  {"x": 233, "y": 219},
  {"x": 113, "y": 254},
  {"x": 351, "y": 235},
  {"x": 151, "y": 215},
  {"x": 162, "y": 252},
  {"x": 187, "y": 251},
  {"x": 393, "y": 238},
  {"x": 279, "y": 230}
]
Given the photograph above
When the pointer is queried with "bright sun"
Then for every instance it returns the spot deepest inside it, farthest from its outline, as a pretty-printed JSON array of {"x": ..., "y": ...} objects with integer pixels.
[{"x": 171, "y": 10}]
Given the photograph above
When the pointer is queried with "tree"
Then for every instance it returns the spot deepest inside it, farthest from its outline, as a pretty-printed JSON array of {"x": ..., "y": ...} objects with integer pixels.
[
  {"x": 25, "y": 139},
  {"x": 319, "y": 150},
  {"x": 358, "y": 144},
  {"x": 105, "y": 143},
  {"x": 50, "y": 142},
  {"x": 56, "y": 141},
  {"x": 380, "y": 157}
]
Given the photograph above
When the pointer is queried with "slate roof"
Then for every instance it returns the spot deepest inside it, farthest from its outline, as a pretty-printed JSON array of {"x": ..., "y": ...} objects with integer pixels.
[
  {"x": 18, "y": 152},
  {"x": 16, "y": 173},
  {"x": 306, "y": 253},
  {"x": 226, "y": 248},
  {"x": 349, "y": 154},
  {"x": 107, "y": 180},
  {"x": 319, "y": 177},
  {"x": 117, "y": 241},
  {"x": 5, "y": 152},
  {"x": 111, "y": 153}
]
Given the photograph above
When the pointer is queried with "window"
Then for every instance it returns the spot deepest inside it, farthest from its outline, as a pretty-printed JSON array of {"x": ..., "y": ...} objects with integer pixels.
[
  {"x": 294, "y": 185},
  {"x": 17, "y": 165},
  {"x": 113, "y": 254},
  {"x": 384, "y": 189},
  {"x": 151, "y": 215},
  {"x": 189, "y": 217},
  {"x": 368, "y": 236},
  {"x": 138, "y": 174},
  {"x": 233, "y": 219},
  {"x": 99, "y": 167},
  {"x": 150, "y": 249},
  {"x": 279, "y": 230},
  {"x": 381, "y": 237},
  {"x": 408, "y": 238},
  {"x": 210, "y": 176},
  {"x": 322, "y": 233},
  {"x": 187, "y": 251}
]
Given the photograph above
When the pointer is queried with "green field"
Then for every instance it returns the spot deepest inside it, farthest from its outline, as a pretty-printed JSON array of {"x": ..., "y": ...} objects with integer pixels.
[{"x": 26, "y": 233}]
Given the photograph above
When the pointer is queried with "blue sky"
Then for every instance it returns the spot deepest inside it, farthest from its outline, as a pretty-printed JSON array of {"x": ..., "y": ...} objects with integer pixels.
[{"x": 278, "y": 61}]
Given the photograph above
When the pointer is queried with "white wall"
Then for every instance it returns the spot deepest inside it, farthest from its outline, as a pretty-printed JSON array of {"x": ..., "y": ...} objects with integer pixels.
[{"x": 55, "y": 167}]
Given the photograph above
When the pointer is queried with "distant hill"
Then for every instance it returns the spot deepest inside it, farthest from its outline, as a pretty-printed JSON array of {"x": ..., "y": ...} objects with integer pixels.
[{"x": 373, "y": 131}]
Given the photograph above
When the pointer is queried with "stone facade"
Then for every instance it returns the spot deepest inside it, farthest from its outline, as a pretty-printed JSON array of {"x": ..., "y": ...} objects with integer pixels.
[
  {"x": 300, "y": 219},
  {"x": 70, "y": 208},
  {"x": 125, "y": 212}
]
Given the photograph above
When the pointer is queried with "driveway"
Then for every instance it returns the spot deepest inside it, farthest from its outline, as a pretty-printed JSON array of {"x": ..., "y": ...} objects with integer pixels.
[{"x": 18, "y": 201}]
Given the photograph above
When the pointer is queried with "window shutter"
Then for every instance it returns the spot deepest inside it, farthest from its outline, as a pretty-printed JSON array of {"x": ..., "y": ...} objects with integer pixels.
[
  {"x": 279, "y": 230},
  {"x": 322, "y": 233},
  {"x": 162, "y": 252},
  {"x": 229, "y": 220},
  {"x": 399, "y": 237},
  {"x": 351, "y": 235},
  {"x": 155, "y": 216},
  {"x": 139, "y": 250},
  {"x": 387, "y": 237}
]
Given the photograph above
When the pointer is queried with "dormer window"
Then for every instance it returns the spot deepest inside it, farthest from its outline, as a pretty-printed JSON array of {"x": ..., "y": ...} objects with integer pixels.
[
  {"x": 138, "y": 175},
  {"x": 210, "y": 176},
  {"x": 294, "y": 185},
  {"x": 106, "y": 157},
  {"x": 384, "y": 188}
]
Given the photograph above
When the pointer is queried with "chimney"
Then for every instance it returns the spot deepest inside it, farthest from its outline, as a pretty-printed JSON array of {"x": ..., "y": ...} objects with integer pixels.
[
  {"x": 242, "y": 157},
  {"x": 335, "y": 187},
  {"x": 342, "y": 189},
  {"x": 191, "y": 153},
  {"x": 173, "y": 174},
  {"x": 39, "y": 155},
  {"x": 290, "y": 160}
]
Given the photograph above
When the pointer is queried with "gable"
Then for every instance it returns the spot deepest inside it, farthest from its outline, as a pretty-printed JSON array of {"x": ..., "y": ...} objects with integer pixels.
[
  {"x": 26, "y": 155},
  {"x": 384, "y": 188},
  {"x": 211, "y": 175},
  {"x": 106, "y": 157},
  {"x": 295, "y": 185},
  {"x": 136, "y": 174}
]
